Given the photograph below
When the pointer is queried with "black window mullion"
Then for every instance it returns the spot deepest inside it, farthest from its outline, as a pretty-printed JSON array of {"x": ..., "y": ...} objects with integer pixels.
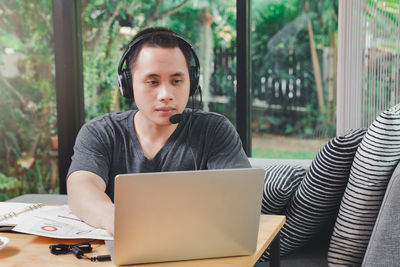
[
  {"x": 243, "y": 71},
  {"x": 69, "y": 80}
]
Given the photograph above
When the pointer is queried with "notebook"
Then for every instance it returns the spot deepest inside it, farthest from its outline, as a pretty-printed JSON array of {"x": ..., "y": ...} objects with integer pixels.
[
  {"x": 11, "y": 213},
  {"x": 171, "y": 216}
]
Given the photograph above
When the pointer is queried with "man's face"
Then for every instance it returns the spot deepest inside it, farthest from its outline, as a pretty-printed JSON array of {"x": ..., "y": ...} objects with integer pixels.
[{"x": 161, "y": 83}]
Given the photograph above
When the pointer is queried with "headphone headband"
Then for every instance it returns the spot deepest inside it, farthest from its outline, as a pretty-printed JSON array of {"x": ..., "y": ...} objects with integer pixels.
[{"x": 125, "y": 76}]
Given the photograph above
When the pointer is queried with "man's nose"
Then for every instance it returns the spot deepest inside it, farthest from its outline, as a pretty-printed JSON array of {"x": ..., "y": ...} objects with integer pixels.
[{"x": 165, "y": 92}]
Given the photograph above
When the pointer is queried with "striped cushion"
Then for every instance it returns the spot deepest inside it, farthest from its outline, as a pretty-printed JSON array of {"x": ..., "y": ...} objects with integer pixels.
[
  {"x": 281, "y": 181},
  {"x": 375, "y": 160},
  {"x": 318, "y": 197}
]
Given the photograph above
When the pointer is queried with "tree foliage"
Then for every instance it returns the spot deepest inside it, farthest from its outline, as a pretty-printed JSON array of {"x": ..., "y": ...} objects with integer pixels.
[
  {"x": 281, "y": 52},
  {"x": 27, "y": 109}
]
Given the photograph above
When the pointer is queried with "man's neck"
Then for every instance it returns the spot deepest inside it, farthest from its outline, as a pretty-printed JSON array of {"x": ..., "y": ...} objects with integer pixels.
[{"x": 151, "y": 137}]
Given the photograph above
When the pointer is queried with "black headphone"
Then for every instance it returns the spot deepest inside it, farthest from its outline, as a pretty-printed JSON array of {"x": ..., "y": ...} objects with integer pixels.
[{"x": 125, "y": 76}]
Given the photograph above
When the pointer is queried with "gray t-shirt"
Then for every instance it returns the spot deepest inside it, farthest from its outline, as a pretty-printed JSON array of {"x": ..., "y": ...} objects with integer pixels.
[{"x": 108, "y": 145}]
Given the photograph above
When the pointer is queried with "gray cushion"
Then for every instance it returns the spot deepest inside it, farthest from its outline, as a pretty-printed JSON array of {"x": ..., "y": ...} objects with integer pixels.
[
  {"x": 281, "y": 181},
  {"x": 383, "y": 248},
  {"x": 317, "y": 199},
  {"x": 374, "y": 163}
]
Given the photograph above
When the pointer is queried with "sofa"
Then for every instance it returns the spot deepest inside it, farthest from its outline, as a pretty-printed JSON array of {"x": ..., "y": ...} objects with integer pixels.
[{"x": 383, "y": 246}]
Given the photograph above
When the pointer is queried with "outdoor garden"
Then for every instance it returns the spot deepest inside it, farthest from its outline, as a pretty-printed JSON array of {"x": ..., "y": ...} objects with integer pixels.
[{"x": 293, "y": 61}]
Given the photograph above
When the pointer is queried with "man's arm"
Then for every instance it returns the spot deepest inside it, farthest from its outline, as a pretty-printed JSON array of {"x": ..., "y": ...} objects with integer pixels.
[{"x": 87, "y": 200}]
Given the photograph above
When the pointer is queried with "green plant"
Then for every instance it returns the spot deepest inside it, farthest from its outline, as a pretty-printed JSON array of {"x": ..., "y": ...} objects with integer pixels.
[{"x": 8, "y": 187}]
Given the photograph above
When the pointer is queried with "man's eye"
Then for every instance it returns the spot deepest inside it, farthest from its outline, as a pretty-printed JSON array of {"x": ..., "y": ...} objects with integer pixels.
[
  {"x": 176, "y": 81},
  {"x": 152, "y": 82}
]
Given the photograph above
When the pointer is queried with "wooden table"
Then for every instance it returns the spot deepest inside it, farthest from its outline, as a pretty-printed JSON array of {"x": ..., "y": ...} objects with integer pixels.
[{"x": 30, "y": 250}]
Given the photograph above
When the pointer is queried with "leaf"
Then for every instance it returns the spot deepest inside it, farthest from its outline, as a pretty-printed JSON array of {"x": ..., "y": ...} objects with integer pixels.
[{"x": 8, "y": 182}]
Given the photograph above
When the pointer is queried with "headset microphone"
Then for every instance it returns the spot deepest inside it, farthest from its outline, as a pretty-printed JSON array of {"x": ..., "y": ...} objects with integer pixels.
[{"x": 174, "y": 119}]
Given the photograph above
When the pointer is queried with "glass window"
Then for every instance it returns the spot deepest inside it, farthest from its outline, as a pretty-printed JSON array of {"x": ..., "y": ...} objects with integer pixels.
[
  {"x": 293, "y": 57},
  {"x": 368, "y": 61},
  {"x": 210, "y": 26},
  {"x": 28, "y": 124}
]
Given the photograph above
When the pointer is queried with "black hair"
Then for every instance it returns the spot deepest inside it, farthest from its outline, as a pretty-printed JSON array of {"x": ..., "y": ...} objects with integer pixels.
[{"x": 158, "y": 37}]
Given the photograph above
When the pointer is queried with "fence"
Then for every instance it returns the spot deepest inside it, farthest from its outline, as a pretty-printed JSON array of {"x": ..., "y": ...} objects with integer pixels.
[{"x": 283, "y": 89}]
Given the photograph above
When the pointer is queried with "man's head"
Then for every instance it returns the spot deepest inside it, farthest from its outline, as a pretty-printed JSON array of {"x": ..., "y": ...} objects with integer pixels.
[
  {"x": 156, "y": 37},
  {"x": 159, "y": 73}
]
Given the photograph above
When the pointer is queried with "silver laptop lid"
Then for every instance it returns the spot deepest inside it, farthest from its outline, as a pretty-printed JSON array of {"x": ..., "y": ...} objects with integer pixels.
[{"x": 169, "y": 216}]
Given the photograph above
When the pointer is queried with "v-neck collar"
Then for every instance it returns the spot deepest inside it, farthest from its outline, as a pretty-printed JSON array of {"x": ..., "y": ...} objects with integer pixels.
[{"x": 160, "y": 153}]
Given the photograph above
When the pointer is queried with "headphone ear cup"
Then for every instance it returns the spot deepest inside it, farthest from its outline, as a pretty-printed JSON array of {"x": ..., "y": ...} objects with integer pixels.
[
  {"x": 125, "y": 84},
  {"x": 194, "y": 74}
]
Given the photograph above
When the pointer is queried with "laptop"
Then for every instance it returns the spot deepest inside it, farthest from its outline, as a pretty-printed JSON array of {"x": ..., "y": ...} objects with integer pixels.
[{"x": 173, "y": 216}]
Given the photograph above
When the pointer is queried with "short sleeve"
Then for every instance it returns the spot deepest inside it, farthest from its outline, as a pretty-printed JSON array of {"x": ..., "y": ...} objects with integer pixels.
[
  {"x": 226, "y": 149},
  {"x": 92, "y": 151}
]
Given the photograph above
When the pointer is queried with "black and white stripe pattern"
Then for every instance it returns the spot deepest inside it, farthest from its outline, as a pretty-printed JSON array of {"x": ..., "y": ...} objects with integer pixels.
[
  {"x": 318, "y": 196},
  {"x": 281, "y": 181},
  {"x": 374, "y": 163}
]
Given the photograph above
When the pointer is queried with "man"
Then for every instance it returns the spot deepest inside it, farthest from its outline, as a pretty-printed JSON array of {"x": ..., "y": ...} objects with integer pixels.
[{"x": 152, "y": 138}]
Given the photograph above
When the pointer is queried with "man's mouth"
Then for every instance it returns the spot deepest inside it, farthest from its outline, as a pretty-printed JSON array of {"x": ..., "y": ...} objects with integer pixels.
[{"x": 165, "y": 110}]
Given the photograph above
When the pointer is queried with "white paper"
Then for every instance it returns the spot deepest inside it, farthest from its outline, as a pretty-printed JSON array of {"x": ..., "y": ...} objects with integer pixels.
[{"x": 59, "y": 222}]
